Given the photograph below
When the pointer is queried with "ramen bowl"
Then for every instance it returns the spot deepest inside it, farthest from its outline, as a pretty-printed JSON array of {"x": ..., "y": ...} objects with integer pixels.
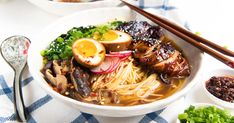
[{"x": 100, "y": 16}]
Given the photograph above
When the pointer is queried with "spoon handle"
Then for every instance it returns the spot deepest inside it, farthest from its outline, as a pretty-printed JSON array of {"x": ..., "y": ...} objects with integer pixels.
[{"x": 18, "y": 98}]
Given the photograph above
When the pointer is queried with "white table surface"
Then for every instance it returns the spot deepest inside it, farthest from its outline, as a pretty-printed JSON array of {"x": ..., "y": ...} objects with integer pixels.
[{"x": 214, "y": 19}]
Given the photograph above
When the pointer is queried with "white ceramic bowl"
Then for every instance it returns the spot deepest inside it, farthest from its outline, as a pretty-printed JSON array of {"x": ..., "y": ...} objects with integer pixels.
[
  {"x": 65, "y": 8},
  {"x": 99, "y": 16},
  {"x": 217, "y": 72}
]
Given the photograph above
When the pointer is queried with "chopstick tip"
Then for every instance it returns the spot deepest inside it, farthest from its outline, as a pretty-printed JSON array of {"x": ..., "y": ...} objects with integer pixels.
[
  {"x": 124, "y": 2},
  {"x": 231, "y": 64}
]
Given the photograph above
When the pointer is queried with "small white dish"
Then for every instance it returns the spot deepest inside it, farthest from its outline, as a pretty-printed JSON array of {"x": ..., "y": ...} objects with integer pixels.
[{"x": 217, "y": 72}]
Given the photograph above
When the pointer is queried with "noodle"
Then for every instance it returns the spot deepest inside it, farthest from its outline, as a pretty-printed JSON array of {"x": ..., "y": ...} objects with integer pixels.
[{"x": 129, "y": 81}]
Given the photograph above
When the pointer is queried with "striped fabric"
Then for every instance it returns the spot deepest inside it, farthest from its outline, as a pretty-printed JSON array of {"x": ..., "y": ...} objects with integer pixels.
[{"x": 44, "y": 109}]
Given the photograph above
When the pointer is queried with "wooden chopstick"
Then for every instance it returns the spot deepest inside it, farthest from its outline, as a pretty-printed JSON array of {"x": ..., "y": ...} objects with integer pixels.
[{"x": 188, "y": 36}]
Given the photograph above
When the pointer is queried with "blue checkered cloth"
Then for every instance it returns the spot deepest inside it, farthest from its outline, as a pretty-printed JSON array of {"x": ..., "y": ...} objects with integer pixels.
[{"x": 43, "y": 108}]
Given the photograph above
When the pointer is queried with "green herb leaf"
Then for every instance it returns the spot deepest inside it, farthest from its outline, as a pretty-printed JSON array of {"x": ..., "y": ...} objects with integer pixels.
[{"x": 60, "y": 48}]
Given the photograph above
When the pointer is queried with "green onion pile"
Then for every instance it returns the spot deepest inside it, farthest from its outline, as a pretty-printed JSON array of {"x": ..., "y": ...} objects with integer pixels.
[{"x": 206, "y": 114}]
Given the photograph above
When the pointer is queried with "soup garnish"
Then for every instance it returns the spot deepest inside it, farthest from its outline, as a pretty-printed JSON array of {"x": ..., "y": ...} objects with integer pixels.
[
  {"x": 205, "y": 114},
  {"x": 221, "y": 87}
]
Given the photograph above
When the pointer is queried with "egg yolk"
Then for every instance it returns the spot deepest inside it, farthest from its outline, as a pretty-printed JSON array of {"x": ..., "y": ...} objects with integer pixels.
[
  {"x": 86, "y": 48},
  {"x": 110, "y": 36}
]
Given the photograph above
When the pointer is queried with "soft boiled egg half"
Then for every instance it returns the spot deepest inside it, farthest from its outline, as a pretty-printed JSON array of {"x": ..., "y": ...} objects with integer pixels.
[
  {"x": 88, "y": 52},
  {"x": 114, "y": 40}
]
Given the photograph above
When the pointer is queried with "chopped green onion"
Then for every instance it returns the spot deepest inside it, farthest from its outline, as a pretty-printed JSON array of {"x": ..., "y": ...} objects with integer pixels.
[
  {"x": 55, "y": 57},
  {"x": 209, "y": 114},
  {"x": 198, "y": 33},
  {"x": 225, "y": 46},
  {"x": 60, "y": 39},
  {"x": 45, "y": 61},
  {"x": 183, "y": 116},
  {"x": 43, "y": 53}
]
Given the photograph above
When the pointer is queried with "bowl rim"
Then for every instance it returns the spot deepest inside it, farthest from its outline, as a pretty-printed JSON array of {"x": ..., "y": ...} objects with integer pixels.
[
  {"x": 50, "y": 91},
  {"x": 80, "y": 3},
  {"x": 211, "y": 96}
]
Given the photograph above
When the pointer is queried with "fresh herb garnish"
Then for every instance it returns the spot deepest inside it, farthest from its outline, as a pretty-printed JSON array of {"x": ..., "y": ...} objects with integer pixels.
[{"x": 61, "y": 47}]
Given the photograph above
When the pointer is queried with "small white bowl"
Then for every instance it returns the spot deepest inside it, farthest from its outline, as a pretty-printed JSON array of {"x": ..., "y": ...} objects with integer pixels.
[
  {"x": 217, "y": 72},
  {"x": 198, "y": 105},
  {"x": 65, "y": 8}
]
